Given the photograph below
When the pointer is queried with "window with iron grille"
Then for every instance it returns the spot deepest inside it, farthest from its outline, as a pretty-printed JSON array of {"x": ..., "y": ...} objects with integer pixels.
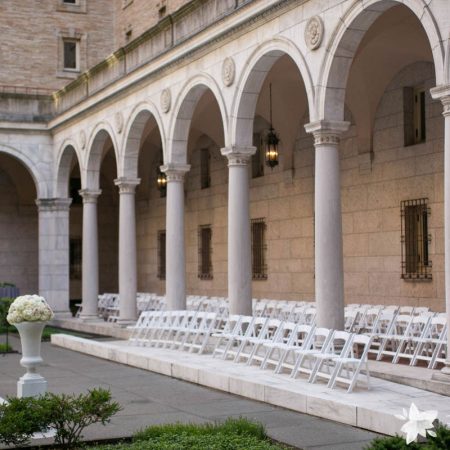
[
  {"x": 162, "y": 254},
  {"x": 75, "y": 258},
  {"x": 259, "y": 268},
  {"x": 205, "y": 175},
  {"x": 205, "y": 271},
  {"x": 416, "y": 264},
  {"x": 258, "y": 157}
]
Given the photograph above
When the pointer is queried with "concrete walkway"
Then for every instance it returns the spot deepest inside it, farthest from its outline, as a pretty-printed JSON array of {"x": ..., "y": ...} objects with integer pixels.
[{"x": 149, "y": 398}]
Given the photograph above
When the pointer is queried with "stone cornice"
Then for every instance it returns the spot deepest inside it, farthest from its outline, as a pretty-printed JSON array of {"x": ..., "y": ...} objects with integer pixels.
[
  {"x": 243, "y": 26},
  {"x": 53, "y": 204},
  {"x": 327, "y": 132},
  {"x": 89, "y": 195},
  {"x": 127, "y": 185}
]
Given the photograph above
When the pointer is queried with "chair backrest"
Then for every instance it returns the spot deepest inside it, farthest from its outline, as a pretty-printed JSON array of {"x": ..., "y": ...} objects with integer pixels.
[
  {"x": 359, "y": 346},
  {"x": 320, "y": 338},
  {"x": 338, "y": 343}
]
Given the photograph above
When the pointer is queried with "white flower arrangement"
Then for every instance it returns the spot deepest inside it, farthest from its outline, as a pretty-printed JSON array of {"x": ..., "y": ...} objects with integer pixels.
[
  {"x": 419, "y": 423},
  {"x": 29, "y": 308}
]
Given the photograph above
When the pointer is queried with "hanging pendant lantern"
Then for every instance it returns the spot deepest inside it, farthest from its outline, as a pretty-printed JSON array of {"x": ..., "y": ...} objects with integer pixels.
[
  {"x": 161, "y": 181},
  {"x": 272, "y": 139}
]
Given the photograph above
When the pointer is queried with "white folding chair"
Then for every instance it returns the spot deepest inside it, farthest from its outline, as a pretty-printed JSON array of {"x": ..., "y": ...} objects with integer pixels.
[
  {"x": 255, "y": 331},
  {"x": 325, "y": 361},
  {"x": 316, "y": 344},
  {"x": 390, "y": 340},
  {"x": 407, "y": 344},
  {"x": 348, "y": 368}
]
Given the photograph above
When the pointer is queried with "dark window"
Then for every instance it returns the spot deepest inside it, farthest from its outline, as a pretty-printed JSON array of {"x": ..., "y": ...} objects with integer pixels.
[
  {"x": 70, "y": 55},
  {"x": 75, "y": 259},
  {"x": 414, "y": 115},
  {"x": 70, "y": 1},
  {"x": 258, "y": 157},
  {"x": 75, "y": 186},
  {"x": 204, "y": 252},
  {"x": 162, "y": 254},
  {"x": 205, "y": 175},
  {"x": 259, "y": 267},
  {"x": 416, "y": 264}
]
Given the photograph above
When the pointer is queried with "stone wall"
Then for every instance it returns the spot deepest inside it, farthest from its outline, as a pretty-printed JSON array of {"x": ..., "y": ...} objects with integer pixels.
[
  {"x": 133, "y": 17},
  {"x": 31, "y": 51}
]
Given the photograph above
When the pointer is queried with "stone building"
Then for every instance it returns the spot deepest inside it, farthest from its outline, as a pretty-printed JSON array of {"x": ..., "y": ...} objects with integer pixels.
[{"x": 99, "y": 97}]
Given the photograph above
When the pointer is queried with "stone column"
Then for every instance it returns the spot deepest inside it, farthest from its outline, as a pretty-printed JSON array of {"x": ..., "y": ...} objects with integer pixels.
[
  {"x": 89, "y": 276},
  {"x": 443, "y": 93},
  {"x": 175, "y": 246},
  {"x": 127, "y": 250},
  {"x": 239, "y": 236},
  {"x": 54, "y": 253},
  {"x": 329, "y": 267}
]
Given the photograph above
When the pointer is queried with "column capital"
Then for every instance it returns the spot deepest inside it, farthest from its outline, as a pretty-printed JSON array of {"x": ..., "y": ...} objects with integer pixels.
[
  {"x": 238, "y": 156},
  {"x": 175, "y": 172},
  {"x": 327, "y": 132},
  {"x": 127, "y": 185},
  {"x": 89, "y": 195},
  {"x": 53, "y": 204},
  {"x": 442, "y": 93}
]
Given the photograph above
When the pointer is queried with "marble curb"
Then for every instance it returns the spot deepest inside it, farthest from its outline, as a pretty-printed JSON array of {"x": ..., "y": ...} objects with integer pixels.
[{"x": 373, "y": 409}]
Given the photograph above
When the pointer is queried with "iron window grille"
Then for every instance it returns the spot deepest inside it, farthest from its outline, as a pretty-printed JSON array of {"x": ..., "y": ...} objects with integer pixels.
[
  {"x": 205, "y": 172},
  {"x": 259, "y": 267},
  {"x": 416, "y": 264},
  {"x": 75, "y": 258},
  {"x": 205, "y": 270},
  {"x": 162, "y": 254}
]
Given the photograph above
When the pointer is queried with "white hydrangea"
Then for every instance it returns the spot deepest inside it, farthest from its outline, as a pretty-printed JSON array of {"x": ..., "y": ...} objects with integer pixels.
[{"x": 29, "y": 308}]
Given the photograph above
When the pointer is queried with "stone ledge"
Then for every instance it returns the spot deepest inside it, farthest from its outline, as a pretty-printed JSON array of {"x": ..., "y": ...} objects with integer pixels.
[{"x": 373, "y": 410}]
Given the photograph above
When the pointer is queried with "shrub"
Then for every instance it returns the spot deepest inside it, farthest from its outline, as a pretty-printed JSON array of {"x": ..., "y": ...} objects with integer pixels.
[
  {"x": 68, "y": 415},
  {"x": 440, "y": 442},
  {"x": 20, "y": 418},
  {"x": 5, "y": 303},
  {"x": 5, "y": 348}
]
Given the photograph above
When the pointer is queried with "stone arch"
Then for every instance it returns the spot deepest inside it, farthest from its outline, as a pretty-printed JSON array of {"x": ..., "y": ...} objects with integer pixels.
[
  {"x": 40, "y": 180},
  {"x": 345, "y": 41},
  {"x": 97, "y": 141},
  {"x": 134, "y": 130},
  {"x": 252, "y": 79},
  {"x": 183, "y": 112},
  {"x": 64, "y": 165}
]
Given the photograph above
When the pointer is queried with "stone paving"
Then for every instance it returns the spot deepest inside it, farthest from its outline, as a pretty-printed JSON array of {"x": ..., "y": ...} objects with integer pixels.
[{"x": 149, "y": 398}]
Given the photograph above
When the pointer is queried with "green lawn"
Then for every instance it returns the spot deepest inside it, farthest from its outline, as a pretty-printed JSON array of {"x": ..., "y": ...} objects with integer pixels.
[{"x": 234, "y": 434}]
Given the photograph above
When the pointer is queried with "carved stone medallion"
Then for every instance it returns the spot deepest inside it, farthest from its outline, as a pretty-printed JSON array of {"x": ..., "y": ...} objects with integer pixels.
[
  {"x": 314, "y": 32},
  {"x": 228, "y": 71},
  {"x": 166, "y": 100}
]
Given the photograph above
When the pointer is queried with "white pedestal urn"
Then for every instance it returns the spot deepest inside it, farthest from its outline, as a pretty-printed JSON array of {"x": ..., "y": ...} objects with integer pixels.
[
  {"x": 32, "y": 384},
  {"x": 29, "y": 314}
]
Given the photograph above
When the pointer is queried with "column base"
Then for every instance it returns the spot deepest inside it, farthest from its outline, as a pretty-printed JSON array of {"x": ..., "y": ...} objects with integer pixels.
[
  {"x": 443, "y": 375},
  {"x": 62, "y": 315},
  {"x": 31, "y": 385},
  {"x": 89, "y": 318},
  {"x": 123, "y": 323}
]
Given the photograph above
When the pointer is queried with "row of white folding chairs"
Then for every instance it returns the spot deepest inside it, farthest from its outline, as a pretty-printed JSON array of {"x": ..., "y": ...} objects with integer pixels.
[
  {"x": 298, "y": 348},
  {"x": 182, "y": 330},
  {"x": 360, "y": 318},
  {"x": 414, "y": 338}
]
